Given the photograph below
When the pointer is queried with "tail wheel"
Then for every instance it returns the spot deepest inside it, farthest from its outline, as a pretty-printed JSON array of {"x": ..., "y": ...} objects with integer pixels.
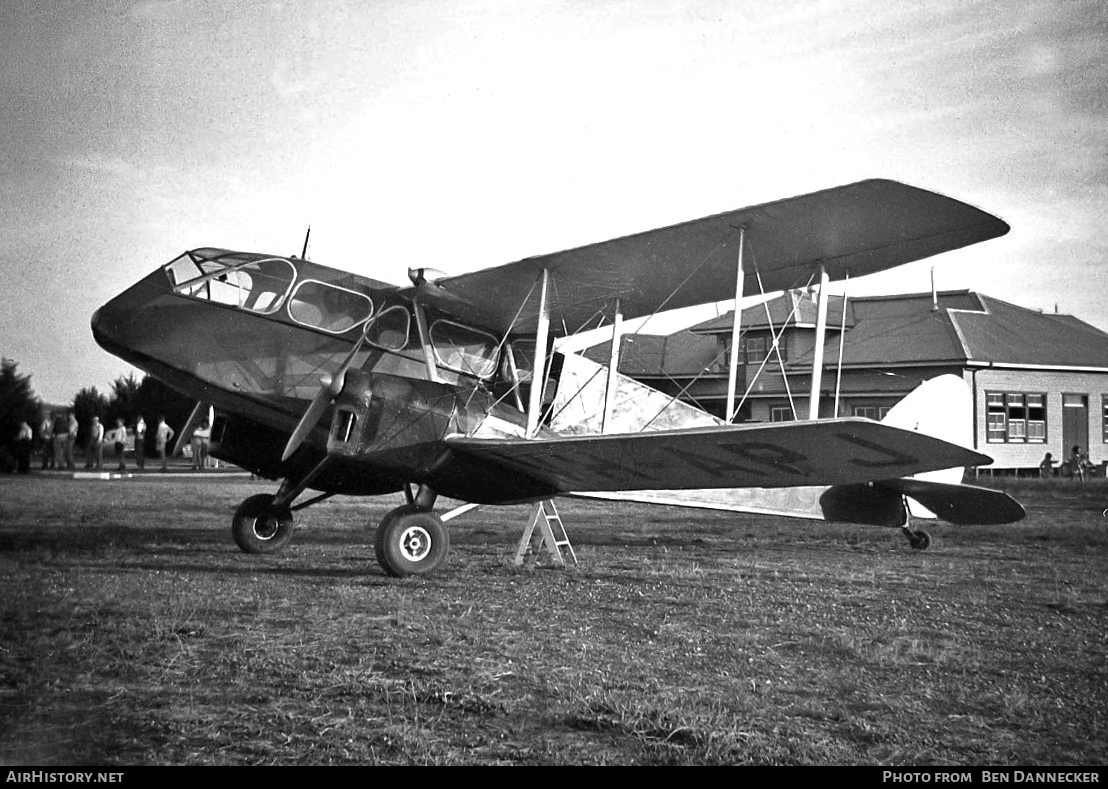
[
  {"x": 411, "y": 542},
  {"x": 919, "y": 539},
  {"x": 258, "y": 527}
]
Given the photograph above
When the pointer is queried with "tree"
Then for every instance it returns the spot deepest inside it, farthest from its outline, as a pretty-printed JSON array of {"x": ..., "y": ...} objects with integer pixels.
[
  {"x": 155, "y": 399},
  {"x": 129, "y": 399},
  {"x": 18, "y": 403},
  {"x": 124, "y": 400},
  {"x": 88, "y": 402}
]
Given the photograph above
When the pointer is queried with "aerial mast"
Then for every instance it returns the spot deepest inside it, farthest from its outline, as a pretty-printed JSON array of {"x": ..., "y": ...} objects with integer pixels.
[{"x": 304, "y": 251}]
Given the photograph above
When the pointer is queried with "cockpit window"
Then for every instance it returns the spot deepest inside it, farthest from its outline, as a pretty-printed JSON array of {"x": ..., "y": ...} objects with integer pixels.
[
  {"x": 249, "y": 282},
  {"x": 328, "y": 307},
  {"x": 389, "y": 330},
  {"x": 464, "y": 349}
]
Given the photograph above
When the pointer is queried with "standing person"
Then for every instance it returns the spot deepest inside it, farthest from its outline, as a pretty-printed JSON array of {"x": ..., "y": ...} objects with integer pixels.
[
  {"x": 60, "y": 440},
  {"x": 201, "y": 442},
  {"x": 118, "y": 437},
  {"x": 163, "y": 434},
  {"x": 24, "y": 444},
  {"x": 140, "y": 443},
  {"x": 1077, "y": 464},
  {"x": 46, "y": 441},
  {"x": 95, "y": 448},
  {"x": 70, "y": 442},
  {"x": 1046, "y": 467}
]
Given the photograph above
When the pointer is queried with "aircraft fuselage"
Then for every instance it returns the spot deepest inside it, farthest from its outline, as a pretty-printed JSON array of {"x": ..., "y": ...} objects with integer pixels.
[{"x": 254, "y": 334}]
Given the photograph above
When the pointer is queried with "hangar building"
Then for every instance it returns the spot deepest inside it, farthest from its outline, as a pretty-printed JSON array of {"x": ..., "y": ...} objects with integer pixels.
[{"x": 1039, "y": 381}]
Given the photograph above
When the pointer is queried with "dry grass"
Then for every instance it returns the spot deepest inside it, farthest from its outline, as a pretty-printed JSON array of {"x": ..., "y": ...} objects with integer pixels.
[{"x": 133, "y": 632}]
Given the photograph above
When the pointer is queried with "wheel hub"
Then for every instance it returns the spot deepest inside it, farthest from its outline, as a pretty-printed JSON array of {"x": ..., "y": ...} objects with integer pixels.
[
  {"x": 415, "y": 543},
  {"x": 265, "y": 527}
]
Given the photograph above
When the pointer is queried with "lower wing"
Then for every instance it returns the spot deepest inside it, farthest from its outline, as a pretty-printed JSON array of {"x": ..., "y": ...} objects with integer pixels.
[
  {"x": 880, "y": 503},
  {"x": 788, "y": 454}
]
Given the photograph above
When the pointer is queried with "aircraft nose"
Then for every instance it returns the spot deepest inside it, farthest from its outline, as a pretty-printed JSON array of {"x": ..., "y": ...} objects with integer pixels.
[
  {"x": 105, "y": 324},
  {"x": 119, "y": 323}
]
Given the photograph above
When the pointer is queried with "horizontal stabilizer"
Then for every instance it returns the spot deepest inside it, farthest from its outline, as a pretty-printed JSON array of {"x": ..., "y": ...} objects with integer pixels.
[
  {"x": 867, "y": 505},
  {"x": 965, "y": 505},
  {"x": 881, "y": 504}
]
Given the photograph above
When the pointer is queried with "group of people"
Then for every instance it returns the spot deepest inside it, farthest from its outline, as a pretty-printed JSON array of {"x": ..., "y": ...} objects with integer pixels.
[
  {"x": 58, "y": 438},
  {"x": 1077, "y": 466}
]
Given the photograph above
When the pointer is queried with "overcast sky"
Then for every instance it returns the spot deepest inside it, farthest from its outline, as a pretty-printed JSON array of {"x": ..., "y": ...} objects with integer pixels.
[{"x": 462, "y": 135}]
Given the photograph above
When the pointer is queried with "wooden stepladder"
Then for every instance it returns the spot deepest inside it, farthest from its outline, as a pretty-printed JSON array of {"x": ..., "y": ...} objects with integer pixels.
[{"x": 552, "y": 534}]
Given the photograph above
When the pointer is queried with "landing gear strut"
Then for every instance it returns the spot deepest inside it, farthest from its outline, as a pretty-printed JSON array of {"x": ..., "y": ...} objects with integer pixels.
[{"x": 917, "y": 538}]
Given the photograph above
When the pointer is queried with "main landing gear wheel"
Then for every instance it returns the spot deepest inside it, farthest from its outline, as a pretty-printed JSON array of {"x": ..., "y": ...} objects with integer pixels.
[
  {"x": 411, "y": 542},
  {"x": 919, "y": 539},
  {"x": 258, "y": 527}
]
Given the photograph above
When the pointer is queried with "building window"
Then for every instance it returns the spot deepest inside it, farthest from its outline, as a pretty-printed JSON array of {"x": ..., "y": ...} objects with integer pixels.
[
  {"x": 1104, "y": 416},
  {"x": 755, "y": 349},
  {"x": 1015, "y": 418},
  {"x": 781, "y": 413},
  {"x": 874, "y": 412}
]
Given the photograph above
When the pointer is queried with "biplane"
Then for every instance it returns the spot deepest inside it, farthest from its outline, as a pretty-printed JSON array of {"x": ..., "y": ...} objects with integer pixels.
[{"x": 450, "y": 386}]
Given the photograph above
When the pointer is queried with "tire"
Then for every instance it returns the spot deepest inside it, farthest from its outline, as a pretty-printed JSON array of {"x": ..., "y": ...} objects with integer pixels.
[
  {"x": 921, "y": 540},
  {"x": 410, "y": 542},
  {"x": 383, "y": 529},
  {"x": 258, "y": 528}
]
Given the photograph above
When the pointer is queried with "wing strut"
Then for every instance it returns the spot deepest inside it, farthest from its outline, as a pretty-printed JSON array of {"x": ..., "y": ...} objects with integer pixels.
[
  {"x": 425, "y": 340},
  {"x": 736, "y": 325},
  {"x": 613, "y": 368},
  {"x": 538, "y": 373},
  {"x": 842, "y": 342},
  {"x": 821, "y": 337}
]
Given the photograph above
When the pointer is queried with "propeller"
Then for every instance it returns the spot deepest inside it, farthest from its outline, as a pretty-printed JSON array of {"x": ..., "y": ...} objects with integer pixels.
[{"x": 330, "y": 387}]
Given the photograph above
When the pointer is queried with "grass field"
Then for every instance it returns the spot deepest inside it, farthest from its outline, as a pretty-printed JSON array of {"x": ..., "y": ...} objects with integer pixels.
[{"x": 134, "y": 632}]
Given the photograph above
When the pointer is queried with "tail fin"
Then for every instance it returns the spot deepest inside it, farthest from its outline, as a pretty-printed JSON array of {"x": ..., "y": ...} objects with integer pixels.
[{"x": 941, "y": 408}]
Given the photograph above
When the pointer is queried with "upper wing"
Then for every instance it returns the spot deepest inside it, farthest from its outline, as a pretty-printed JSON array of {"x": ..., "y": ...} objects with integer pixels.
[
  {"x": 786, "y": 454},
  {"x": 861, "y": 228}
]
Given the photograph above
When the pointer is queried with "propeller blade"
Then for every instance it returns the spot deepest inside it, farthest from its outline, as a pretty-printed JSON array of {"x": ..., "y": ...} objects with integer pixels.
[
  {"x": 330, "y": 387},
  {"x": 314, "y": 413}
]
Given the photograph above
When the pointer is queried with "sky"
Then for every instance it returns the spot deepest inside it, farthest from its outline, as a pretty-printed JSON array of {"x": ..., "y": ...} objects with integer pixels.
[{"x": 461, "y": 135}]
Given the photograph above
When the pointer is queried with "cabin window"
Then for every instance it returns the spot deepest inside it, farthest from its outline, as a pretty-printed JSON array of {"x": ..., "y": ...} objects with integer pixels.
[
  {"x": 463, "y": 349},
  {"x": 389, "y": 330},
  {"x": 328, "y": 307},
  {"x": 1015, "y": 418},
  {"x": 248, "y": 283}
]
